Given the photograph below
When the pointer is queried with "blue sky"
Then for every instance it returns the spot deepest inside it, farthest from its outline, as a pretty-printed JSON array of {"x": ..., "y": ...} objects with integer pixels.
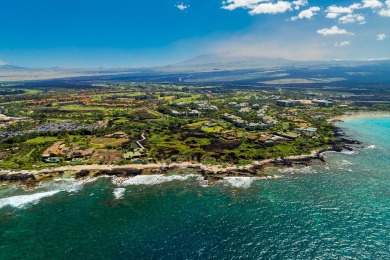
[{"x": 134, "y": 33}]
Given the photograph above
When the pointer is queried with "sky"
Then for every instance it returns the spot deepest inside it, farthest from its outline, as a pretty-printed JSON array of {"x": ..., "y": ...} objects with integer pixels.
[{"x": 139, "y": 33}]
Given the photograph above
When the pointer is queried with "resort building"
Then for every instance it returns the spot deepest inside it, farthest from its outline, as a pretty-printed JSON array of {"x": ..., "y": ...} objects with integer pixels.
[{"x": 285, "y": 103}]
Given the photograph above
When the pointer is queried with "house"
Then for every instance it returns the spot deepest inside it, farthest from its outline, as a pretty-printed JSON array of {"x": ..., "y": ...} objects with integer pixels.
[
  {"x": 308, "y": 131},
  {"x": 77, "y": 153},
  {"x": 241, "y": 105},
  {"x": 56, "y": 150},
  {"x": 269, "y": 121},
  {"x": 136, "y": 153},
  {"x": 324, "y": 103},
  {"x": 255, "y": 126},
  {"x": 244, "y": 110},
  {"x": 119, "y": 135},
  {"x": 229, "y": 135},
  {"x": 232, "y": 104},
  {"x": 239, "y": 122},
  {"x": 194, "y": 113},
  {"x": 285, "y": 103},
  {"x": 177, "y": 113}
]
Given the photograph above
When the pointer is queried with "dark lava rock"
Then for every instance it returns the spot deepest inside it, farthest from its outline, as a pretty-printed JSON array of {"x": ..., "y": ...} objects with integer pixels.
[
  {"x": 16, "y": 177},
  {"x": 82, "y": 174}
]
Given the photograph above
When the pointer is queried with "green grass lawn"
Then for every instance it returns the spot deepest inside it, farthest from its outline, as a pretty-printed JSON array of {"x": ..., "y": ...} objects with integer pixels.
[
  {"x": 42, "y": 140},
  {"x": 198, "y": 124},
  {"x": 81, "y": 108},
  {"x": 214, "y": 129}
]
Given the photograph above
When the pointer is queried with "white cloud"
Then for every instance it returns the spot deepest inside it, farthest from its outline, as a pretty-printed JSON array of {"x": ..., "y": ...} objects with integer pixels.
[
  {"x": 332, "y": 15},
  {"x": 372, "y": 4},
  {"x": 334, "y": 11},
  {"x": 353, "y": 18},
  {"x": 182, "y": 6},
  {"x": 381, "y": 37},
  {"x": 271, "y": 8},
  {"x": 299, "y": 3},
  {"x": 264, "y": 6},
  {"x": 2, "y": 63},
  {"x": 342, "y": 44},
  {"x": 333, "y": 31},
  {"x": 234, "y": 4},
  {"x": 355, "y": 6},
  {"x": 306, "y": 14},
  {"x": 385, "y": 12}
]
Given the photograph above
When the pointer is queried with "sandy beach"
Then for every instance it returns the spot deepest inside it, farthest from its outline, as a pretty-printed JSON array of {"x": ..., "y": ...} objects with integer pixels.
[{"x": 360, "y": 115}]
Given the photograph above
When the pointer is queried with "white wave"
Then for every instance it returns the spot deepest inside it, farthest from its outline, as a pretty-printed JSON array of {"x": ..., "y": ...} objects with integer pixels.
[
  {"x": 239, "y": 182},
  {"x": 46, "y": 189},
  {"x": 155, "y": 179},
  {"x": 345, "y": 162},
  {"x": 119, "y": 193},
  {"x": 349, "y": 152},
  {"x": 245, "y": 182},
  {"x": 24, "y": 200},
  {"x": 67, "y": 184},
  {"x": 293, "y": 170},
  {"x": 373, "y": 146}
]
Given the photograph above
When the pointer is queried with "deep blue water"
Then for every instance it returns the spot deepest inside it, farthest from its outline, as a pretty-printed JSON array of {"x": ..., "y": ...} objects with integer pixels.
[{"x": 338, "y": 210}]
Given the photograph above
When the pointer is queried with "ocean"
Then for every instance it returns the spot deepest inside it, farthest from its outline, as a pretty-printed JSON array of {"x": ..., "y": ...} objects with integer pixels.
[{"x": 337, "y": 210}]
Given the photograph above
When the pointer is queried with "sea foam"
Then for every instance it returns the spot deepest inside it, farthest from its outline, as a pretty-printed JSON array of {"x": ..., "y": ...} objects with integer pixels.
[
  {"x": 119, "y": 193},
  {"x": 245, "y": 182},
  {"x": 23, "y": 200},
  {"x": 239, "y": 182},
  {"x": 155, "y": 179}
]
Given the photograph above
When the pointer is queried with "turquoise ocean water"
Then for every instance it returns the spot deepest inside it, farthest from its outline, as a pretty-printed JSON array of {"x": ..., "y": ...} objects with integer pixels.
[{"x": 340, "y": 210}]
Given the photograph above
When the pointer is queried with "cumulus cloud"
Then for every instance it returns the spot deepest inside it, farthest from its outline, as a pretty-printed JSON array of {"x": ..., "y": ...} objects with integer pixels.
[
  {"x": 334, "y": 30},
  {"x": 334, "y": 11},
  {"x": 264, "y": 6},
  {"x": 353, "y": 18},
  {"x": 182, "y": 6},
  {"x": 299, "y": 3},
  {"x": 372, "y": 4},
  {"x": 271, "y": 8},
  {"x": 342, "y": 44},
  {"x": 2, "y": 63},
  {"x": 381, "y": 37},
  {"x": 306, "y": 14},
  {"x": 385, "y": 12}
]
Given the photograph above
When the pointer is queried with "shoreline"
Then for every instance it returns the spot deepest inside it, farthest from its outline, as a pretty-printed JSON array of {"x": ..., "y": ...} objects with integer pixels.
[
  {"x": 360, "y": 115},
  {"x": 209, "y": 172}
]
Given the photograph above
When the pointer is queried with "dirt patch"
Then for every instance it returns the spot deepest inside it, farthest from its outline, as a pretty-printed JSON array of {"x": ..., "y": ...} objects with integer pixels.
[
  {"x": 107, "y": 156},
  {"x": 221, "y": 145}
]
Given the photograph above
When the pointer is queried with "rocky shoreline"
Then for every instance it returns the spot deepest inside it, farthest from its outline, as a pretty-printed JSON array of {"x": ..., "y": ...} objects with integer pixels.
[{"x": 209, "y": 173}]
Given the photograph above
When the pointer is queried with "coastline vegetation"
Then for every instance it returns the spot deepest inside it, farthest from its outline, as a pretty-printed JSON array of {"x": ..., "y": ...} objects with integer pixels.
[{"x": 131, "y": 123}]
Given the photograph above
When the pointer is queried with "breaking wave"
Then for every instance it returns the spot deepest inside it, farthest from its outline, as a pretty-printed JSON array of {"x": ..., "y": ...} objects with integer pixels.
[
  {"x": 155, "y": 179},
  {"x": 45, "y": 190},
  {"x": 349, "y": 152},
  {"x": 23, "y": 200},
  {"x": 244, "y": 182},
  {"x": 293, "y": 170},
  {"x": 119, "y": 193}
]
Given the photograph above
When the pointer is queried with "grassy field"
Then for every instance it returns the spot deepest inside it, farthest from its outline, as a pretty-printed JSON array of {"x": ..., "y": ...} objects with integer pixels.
[
  {"x": 214, "y": 129},
  {"x": 81, "y": 108},
  {"x": 42, "y": 140},
  {"x": 101, "y": 143}
]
